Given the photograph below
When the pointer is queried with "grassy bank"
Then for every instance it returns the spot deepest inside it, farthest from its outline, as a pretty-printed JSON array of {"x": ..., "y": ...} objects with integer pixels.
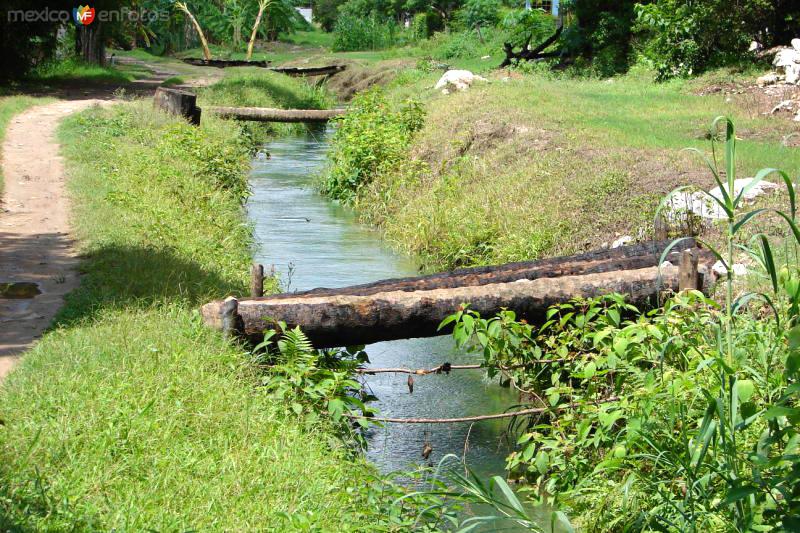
[
  {"x": 129, "y": 414},
  {"x": 10, "y": 106},
  {"x": 535, "y": 165}
]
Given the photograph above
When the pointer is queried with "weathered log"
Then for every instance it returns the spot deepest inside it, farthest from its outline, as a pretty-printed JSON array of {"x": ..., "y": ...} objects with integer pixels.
[
  {"x": 689, "y": 275},
  {"x": 605, "y": 260},
  {"x": 309, "y": 71},
  {"x": 224, "y": 63},
  {"x": 531, "y": 54},
  {"x": 341, "y": 320},
  {"x": 266, "y": 114},
  {"x": 177, "y": 102}
]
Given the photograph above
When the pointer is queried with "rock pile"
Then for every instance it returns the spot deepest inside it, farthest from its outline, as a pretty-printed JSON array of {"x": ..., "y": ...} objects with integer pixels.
[{"x": 787, "y": 64}]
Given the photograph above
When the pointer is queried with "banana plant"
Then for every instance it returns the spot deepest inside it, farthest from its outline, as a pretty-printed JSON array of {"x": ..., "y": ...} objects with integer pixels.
[{"x": 183, "y": 7}]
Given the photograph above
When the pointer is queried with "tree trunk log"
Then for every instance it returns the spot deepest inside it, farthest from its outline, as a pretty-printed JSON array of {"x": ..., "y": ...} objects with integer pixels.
[
  {"x": 223, "y": 63},
  {"x": 266, "y": 114},
  {"x": 398, "y": 309},
  {"x": 309, "y": 71},
  {"x": 531, "y": 54}
]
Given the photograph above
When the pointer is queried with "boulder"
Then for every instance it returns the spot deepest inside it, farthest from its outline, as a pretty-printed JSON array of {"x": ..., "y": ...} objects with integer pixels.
[
  {"x": 457, "y": 79},
  {"x": 788, "y": 59},
  {"x": 767, "y": 79},
  {"x": 703, "y": 206}
]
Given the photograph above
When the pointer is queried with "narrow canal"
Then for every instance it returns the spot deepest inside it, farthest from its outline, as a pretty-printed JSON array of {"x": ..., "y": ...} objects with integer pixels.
[{"x": 313, "y": 242}]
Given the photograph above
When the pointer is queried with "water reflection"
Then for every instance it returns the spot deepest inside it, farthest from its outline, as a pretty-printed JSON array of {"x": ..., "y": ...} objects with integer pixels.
[{"x": 315, "y": 243}]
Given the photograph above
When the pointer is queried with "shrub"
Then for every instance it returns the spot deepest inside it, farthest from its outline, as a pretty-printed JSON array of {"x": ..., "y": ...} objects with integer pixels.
[
  {"x": 480, "y": 12},
  {"x": 371, "y": 138},
  {"x": 354, "y": 33},
  {"x": 519, "y": 24}
]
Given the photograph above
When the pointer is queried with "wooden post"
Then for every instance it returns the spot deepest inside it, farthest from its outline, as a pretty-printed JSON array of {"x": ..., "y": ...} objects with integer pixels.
[
  {"x": 178, "y": 102},
  {"x": 229, "y": 312},
  {"x": 256, "y": 281},
  {"x": 688, "y": 277}
]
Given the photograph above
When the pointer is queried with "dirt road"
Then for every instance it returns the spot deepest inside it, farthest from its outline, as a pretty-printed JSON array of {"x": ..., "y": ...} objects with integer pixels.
[{"x": 35, "y": 241}]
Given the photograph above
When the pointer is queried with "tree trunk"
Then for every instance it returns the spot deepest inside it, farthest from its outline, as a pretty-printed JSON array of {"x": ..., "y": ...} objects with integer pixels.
[
  {"x": 414, "y": 307},
  {"x": 266, "y": 114},
  {"x": 261, "y": 7},
  {"x": 89, "y": 44},
  {"x": 183, "y": 7}
]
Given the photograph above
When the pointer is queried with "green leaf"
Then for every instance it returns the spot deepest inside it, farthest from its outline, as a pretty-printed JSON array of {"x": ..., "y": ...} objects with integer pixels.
[{"x": 744, "y": 390}]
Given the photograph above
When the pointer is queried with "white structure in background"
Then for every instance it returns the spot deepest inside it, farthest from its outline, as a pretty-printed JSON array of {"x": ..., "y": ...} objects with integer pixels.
[
  {"x": 305, "y": 12},
  {"x": 548, "y": 5}
]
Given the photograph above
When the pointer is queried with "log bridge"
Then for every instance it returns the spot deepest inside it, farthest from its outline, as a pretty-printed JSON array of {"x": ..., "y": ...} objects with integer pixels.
[
  {"x": 414, "y": 307},
  {"x": 326, "y": 70},
  {"x": 268, "y": 114}
]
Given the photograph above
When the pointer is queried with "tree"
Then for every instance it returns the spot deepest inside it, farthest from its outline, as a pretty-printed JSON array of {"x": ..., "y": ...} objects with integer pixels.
[
  {"x": 262, "y": 5},
  {"x": 183, "y": 7},
  {"x": 325, "y": 13}
]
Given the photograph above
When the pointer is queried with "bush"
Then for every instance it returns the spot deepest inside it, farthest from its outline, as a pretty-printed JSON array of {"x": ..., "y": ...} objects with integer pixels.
[
  {"x": 371, "y": 139},
  {"x": 354, "y": 32},
  {"x": 480, "y": 13},
  {"x": 688, "y": 37},
  {"x": 519, "y": 24}
]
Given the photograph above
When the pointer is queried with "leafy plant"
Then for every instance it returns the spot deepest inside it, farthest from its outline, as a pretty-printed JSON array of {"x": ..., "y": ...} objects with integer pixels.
[
  {"x": 314, "y": 382},
  {"x": 372, "y": 138},
  {"x": 680, "y": 419}
]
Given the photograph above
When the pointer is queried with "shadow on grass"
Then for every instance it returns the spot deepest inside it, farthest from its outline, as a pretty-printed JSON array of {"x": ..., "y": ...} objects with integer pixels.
[{"x": 115, "y": 277}]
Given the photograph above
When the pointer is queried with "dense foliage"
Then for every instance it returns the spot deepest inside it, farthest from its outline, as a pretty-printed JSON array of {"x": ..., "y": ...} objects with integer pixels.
[
  {"x": 371, "y": 138},
  {"x": 683, "y": 419}
]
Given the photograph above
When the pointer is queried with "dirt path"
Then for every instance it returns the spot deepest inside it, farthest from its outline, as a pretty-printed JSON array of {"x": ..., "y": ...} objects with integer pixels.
[{"x": 35, "y": 241}]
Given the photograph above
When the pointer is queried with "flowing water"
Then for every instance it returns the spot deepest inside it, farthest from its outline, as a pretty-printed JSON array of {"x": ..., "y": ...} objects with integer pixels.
[{"x": 313, "y": 242}]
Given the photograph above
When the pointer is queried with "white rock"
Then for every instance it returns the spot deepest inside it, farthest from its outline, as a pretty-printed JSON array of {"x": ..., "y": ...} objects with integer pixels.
[
  {"x": 785, "y": 105},
  {"x": 762, "y": 187},
  {"x": 719, "y": 269},
  {"x": 666, "y": 264},
  {"x": 622, "y": 241},
  {"x": 789, "y": 60},
  {"x": 767, "y": 79},
  {"x": 701, "y": 205},
  {"x": 796, "y": 44},
  {"x": 457, "y": 79}
]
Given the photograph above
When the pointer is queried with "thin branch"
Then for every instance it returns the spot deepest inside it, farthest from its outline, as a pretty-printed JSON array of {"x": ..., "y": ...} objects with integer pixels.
[
  {"x": 523, "y": 412},
  {"x": 441, "y": 368}
]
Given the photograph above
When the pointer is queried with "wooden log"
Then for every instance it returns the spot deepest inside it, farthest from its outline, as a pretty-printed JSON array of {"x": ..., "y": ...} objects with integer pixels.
[
  {"x": 266, "y": 114},
  {"x": 224, "y": 63},
  {"x": 309, "y": 71},
  {"x": 256, "y": 281},
  {"x": 177, "y": 102},
  {"x": 343, "y": 320},
  {"x": 604, "y": 260},
  {"x": 689, "y": 275}
]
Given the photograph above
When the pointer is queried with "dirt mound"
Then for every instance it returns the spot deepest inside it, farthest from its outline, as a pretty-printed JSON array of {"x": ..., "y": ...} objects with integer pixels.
[{"x": 357, "y": 78}]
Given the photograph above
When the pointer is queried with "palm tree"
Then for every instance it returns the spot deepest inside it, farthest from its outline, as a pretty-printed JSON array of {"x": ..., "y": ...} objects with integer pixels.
[
  {"x": 183, "y": 7},
  {"x": 262, "y": 6}
]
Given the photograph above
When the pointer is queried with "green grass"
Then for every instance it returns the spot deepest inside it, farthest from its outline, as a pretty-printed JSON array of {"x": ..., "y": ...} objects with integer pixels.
[
  {"x": 76, "y": 70},
  {"x": 130, "y": 415},
  {"x": 547, "y": 165},
  {"x": 10, "y": 106},
  {"x": 316, "y": 38}
]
